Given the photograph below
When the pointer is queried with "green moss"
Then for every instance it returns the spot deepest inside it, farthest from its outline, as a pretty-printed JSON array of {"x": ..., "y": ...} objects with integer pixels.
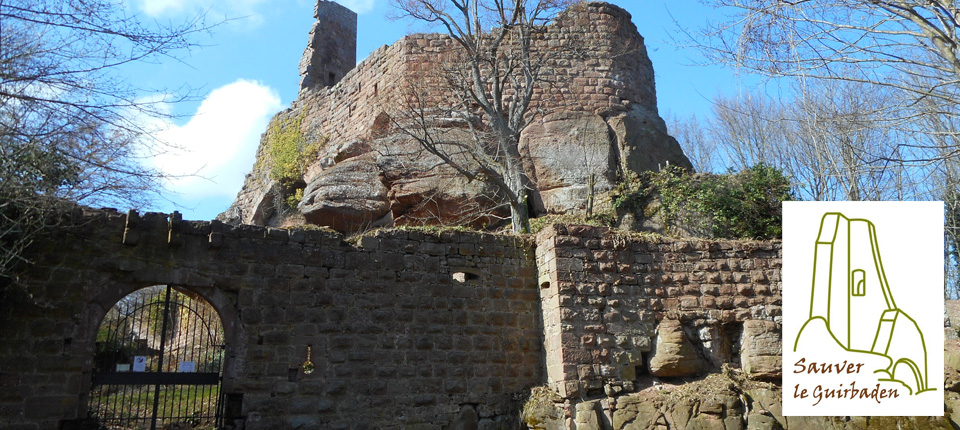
[
  {"x": 294, "y": 199},
  {"x": 287, "y": 154},
  {"x": 540, "y": 408}
]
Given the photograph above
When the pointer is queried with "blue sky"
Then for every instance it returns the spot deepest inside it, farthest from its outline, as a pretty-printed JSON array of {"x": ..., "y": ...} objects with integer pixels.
[{"x": 247, "y": 71}]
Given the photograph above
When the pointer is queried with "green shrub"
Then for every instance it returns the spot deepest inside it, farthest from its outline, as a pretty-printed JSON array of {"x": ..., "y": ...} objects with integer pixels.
[
  {"x": 287, "y": 154},
  {"x": 744, "y": 205}
]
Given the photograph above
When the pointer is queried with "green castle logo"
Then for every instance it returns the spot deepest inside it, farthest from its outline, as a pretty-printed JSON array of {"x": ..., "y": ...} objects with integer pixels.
[{"x": 851, "y": 302}]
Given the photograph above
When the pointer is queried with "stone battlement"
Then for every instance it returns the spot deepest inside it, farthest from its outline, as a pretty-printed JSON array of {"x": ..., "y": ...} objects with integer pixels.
[{"x": 441, "y": 327}]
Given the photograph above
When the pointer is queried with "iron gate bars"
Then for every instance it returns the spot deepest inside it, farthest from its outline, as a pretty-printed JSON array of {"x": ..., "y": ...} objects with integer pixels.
[{"x": 158, "y": 362}]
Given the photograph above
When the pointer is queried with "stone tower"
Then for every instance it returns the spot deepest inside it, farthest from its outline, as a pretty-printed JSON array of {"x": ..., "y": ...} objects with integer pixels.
[{"x": 332, "y": 48}]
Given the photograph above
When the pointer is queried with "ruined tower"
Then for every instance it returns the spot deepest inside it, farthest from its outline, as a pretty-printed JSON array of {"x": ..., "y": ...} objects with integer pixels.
[{"x": 332, "y": 47}]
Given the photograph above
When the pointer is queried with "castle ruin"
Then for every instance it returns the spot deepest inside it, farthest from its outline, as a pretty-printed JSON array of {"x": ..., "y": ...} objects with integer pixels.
[
  {"x": 597, "y": 119},
  {"x": 428, "y": 329}
]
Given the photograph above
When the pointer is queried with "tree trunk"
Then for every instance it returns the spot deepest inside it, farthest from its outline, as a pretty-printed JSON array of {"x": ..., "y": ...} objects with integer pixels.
[
  {"x": 519, "y": 214},
  {"x": 517, "y": 182}
]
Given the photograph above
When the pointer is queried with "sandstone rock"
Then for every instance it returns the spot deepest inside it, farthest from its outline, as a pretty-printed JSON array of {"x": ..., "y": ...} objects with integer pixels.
[
  {"x": 637, "y": 411},
  {"x": 348, "y": 196},
  {"x": 589, "y": 416},
  {"x": 643, "y": 142},
  {"x": 540, "y": 411},
  {"x": 254, "y": 205},
  {"x": 951, "y": 402},
  {"x": 423, "y": 190},
  {"x": 562, "y": 153},
  {"x": 951, "y": 365},
  {"x": 674, "y": 354},
  {"x": 603, "y": 122},
  {"x": 711, "y": 403},
  {"x": 768, "y": 401},
  {"x": 952, "y": 319},
  {"x": 811, "y": 423},
  {"x": 761, "y": 349},
  {"x": 762, "y": 422}
]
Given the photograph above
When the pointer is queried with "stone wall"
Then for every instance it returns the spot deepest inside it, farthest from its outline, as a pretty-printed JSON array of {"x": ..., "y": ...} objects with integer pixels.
[
  {"x": 407, "y": 328},
  {"x": 611, "y": 302},
  {"x": 596, "y": 118},
  {"x": 331, "y": 50},
  {"x": 602, "y": 63}
]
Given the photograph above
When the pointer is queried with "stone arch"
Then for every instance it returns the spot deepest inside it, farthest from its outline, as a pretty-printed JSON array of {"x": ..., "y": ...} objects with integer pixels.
[{"x": 223, "y": 302}]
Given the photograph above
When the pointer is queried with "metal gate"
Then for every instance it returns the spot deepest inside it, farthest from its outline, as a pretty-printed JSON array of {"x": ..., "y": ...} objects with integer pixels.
[{"x": 158, "y": 363}]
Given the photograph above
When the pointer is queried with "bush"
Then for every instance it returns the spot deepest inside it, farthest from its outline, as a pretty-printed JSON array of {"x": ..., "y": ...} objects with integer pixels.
[
  {"x": 744, "y": 205},
  {"x": 287, "y": 154}
]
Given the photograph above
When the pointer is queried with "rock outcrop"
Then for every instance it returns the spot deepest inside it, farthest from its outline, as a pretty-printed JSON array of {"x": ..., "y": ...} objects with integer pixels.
[
  {"x": 587, "y": 133},
  {"x": 760, "y": 355},
  {"x": 674, "y": 354}
]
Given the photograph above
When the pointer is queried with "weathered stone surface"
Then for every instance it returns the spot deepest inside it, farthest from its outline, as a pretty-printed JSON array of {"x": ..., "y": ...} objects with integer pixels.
[
  {"x": 636, "y": 412},
  {"x": 393, "y": 334},
  {"x": 424, "y": 190},
  {"x": 643, "y": 142},
  {"x": 761, "y": 350},
  {"x": 255, "y": 204},
  {"x": 348, "y": 196},
  {"x": 541, "y": 411},
  {"x": 589, "y": 416},
  {"x": 467, "y": 419},
  {"x": 952, "y": 319},
  {"x": 768, "y": 401},
  {"x": 951, "y": 400},
  {"x": 563, "y": 152},
  {"x": 331, "y": 48},
  {"x": 608, "y": 77},
  {"x": 674, "y": 354},
  {"x": 711, "y": 403},
  {"x": 603, "y": 294},
  {"x": 951, "y": 364}
]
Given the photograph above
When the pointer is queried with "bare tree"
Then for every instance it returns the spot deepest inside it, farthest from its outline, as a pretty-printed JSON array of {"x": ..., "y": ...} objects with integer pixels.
[
  {"x": 943, "y": 183},
  {"x": 692, "y": 134},
  {"x": 832, "y": 140},
  {"x": 491, "y": 75},
  {"x": 71, "y": 127},
  {"x": 908, "y": 45}
]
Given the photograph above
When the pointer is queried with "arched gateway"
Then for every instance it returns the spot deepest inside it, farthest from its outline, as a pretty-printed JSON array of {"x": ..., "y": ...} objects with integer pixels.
[{"x": 158, "y": 362}]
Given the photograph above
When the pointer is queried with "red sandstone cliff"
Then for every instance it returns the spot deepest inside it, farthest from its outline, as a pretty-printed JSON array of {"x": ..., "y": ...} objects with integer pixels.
[{"x": 598, "y": 117}]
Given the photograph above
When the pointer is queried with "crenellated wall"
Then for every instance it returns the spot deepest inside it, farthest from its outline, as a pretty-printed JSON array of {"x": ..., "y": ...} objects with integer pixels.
[
  {"x": 444, "y": 329},
  {"x": 396, "y": 337}
]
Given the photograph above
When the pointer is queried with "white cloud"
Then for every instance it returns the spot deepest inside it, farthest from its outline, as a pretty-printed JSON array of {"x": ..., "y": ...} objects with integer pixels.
[
  {"x": 167, "y": 8},
  {"x": 232, "y": 8},
  {"x": 358, "y": 6},
  {"x": 159, "y": 7},
  {"x": 218, "y": 144}
]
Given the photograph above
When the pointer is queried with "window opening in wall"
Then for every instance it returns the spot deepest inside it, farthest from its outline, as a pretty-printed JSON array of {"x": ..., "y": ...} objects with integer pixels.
[
  {"x": 332, "y": 77},
  {"x": 859, "y": 283},
  {"x": 158, "y": 362},
  {"x": 465, "y": 276}
]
